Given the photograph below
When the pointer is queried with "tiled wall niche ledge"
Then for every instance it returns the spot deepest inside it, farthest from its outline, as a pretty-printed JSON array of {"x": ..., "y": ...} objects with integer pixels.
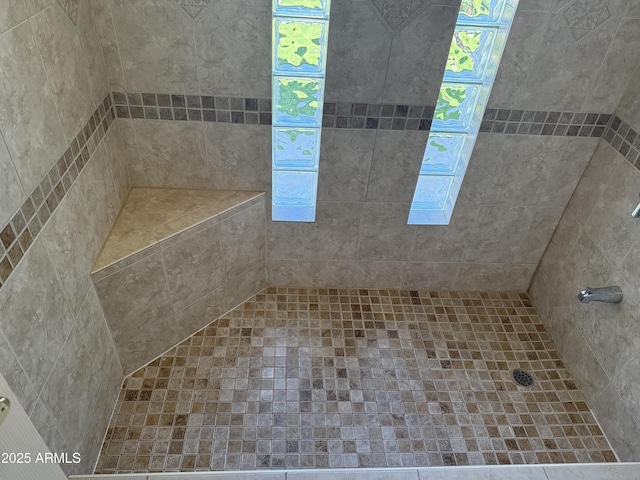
[
  {"x": 20, "y": 232},
  {"x": 175, "y": 260},
  {"x": 257, "y": 111}
]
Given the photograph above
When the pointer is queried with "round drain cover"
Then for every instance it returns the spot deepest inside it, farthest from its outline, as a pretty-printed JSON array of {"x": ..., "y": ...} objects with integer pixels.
[{"x": 522, "y": 378}]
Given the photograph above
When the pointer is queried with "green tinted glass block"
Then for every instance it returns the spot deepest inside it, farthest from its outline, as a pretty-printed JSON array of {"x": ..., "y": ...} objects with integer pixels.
[
  {"x": 302, "y": 8},
  {"x": 481, "y": 12},
  {"x": 300, "y": 46},
  {"x": 442, "y": 153},
  {"x": 456, "y": 103},
  {"x": 298, "y": 101},
  {"x": 296, "y": 148},
  {"x": 469, "y": 54}
]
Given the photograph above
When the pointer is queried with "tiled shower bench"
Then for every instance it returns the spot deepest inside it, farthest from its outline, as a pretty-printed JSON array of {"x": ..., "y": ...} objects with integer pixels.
[{"x": 175, "y": 260}]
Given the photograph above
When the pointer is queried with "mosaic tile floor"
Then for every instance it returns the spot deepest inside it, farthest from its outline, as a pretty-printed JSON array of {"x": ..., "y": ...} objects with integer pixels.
[{"x": 316, "y": 378}]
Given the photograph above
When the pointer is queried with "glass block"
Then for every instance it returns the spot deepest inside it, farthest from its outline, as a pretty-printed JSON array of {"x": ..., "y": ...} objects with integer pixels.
[
  {"x": 302, "y": 8},
  {"x": 292, "y": 188},
  {"x": 296, "y": 148},
  {"x": 431, "y": 192},
  {"x": 298, "y": 101},
  {"x": 469, "y": 54},
  {"x": 481, "y": 12},
  {"x": 442, "y": 154},
  {"x": 456, "y": 103},
  {"x": 300, "y": 46}
]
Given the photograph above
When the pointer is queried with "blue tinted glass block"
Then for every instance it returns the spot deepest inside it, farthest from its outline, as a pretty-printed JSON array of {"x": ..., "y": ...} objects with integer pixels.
[
  {"x": 431, "y": 192},
  {"x": 300, "y": 46},
  {"x": 302, "y": 8},
  {"x": 469, "y": 55},
  {"x": 481, "y": 12},
  {"x": 297, "y": 101},
  {"x": 296, "y": 148},
  {"x": 455, "y": 107},
  {"x": 292, "y": 188},
  {"x": 442, "y": 153}
]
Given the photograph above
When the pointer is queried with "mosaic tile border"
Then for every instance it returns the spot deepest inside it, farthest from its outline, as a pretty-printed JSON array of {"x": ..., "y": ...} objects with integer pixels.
[
  {"x": 625, "y": 140},
  {"x": 371, "y": 116},
  {"x": 19, "y": 233}
]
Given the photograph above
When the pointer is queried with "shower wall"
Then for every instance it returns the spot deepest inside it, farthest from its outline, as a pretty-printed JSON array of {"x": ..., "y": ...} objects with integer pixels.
[
  {"x": 385, "y": 64},
  {"x": 597, "y": 244},
  {"x": 61, "y": 185}
]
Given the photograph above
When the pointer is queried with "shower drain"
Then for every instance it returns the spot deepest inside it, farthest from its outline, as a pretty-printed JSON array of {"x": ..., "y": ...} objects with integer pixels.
[{"x": 522, "y": 377}]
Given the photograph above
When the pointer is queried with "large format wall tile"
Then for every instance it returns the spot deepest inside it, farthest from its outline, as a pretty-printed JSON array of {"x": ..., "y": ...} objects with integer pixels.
[
  {"x": 99, "y": 195},
  {"x": 618, "y": 69},
  {"x": 36, "y": 317},
  {"x": 239, "y": 156},
  {"x": 135, "y": 298},
  {"x": 384, "y": 234},
  {"x": 359, "y": 47},
  {"x": 334, "y": 235},
  {"x": 66, "y": 67},
  {"x": 195, "y": 266},
  {"x": 519, "y": 52},
  {"x": 565, "y": 67},
  {"x": 610, "y": 225},
  {"x": 345, "y": 163},
  {"x": 15, "y": 375},
  {"x": 418, "y": 57},
  {"x": 88, "y": 21},
  {"x": 34, "y": 141},
  {"x": 171, "y": 154},
  {"x": 157, "y": 46},
  {"x": 12, "y": 13},
  {"x": 71, "y": 405},
  {"x": 621, "y": 429},
  {"x": 106, "y": 33},
  {"x": 234, "y": 57},
  {"x": 243, "y": 238},
  {"x": 11, "y": 193},
  {"x": 71, "y": 246},
  {"x": 395, "y": 166},
  {"x": 118, "y": 163}
]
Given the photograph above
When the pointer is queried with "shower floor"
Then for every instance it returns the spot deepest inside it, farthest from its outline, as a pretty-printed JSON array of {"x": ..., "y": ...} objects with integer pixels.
[{"x": 317, "y": 378}]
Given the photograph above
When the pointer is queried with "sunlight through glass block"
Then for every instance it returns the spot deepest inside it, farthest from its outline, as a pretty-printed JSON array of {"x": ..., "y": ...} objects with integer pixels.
[
  {"x": 302, "y": 8},
  {"x": 456, "y": 103},
  {"x": 296, "y": 148},
  {"x": 477, "y": 45},
  {"x": 481, "y": 12},
  {"x": 469, "y": 54},
  {"x": 298, "y": 46},
  {"x": 298, "y": 101},
  {"x": 442, "y": 154},
  {"x": 431, "y": 192},
  {"x": 294, "y": 188}
]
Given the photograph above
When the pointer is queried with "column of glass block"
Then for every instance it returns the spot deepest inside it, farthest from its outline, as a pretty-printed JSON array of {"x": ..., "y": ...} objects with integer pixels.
[
  {"x": 299, "y": 39},
  {"x": 476, "y": 48}
]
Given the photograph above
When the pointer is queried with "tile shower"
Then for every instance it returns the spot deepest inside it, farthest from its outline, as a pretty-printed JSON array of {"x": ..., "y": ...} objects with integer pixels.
[{"x": 101, "y": 96}]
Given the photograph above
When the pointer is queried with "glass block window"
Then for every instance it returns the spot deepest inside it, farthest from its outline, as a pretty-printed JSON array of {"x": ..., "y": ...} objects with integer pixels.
[
  {"x": 300, "y": 29},
  {"x": 476, "y": 48}
]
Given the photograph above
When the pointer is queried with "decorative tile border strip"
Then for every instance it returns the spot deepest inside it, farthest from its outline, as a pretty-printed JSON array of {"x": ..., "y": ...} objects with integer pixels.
[
  {"x": 257, "y": 111},
  {"x": 625, "y": 140},
  {"x": 19, "y": 233}
]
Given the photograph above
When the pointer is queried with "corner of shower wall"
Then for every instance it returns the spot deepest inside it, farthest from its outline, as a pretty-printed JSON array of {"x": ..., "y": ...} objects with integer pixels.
[
  {"x": 595, "y": 244},
  {"x": 64, "y": 183}
]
